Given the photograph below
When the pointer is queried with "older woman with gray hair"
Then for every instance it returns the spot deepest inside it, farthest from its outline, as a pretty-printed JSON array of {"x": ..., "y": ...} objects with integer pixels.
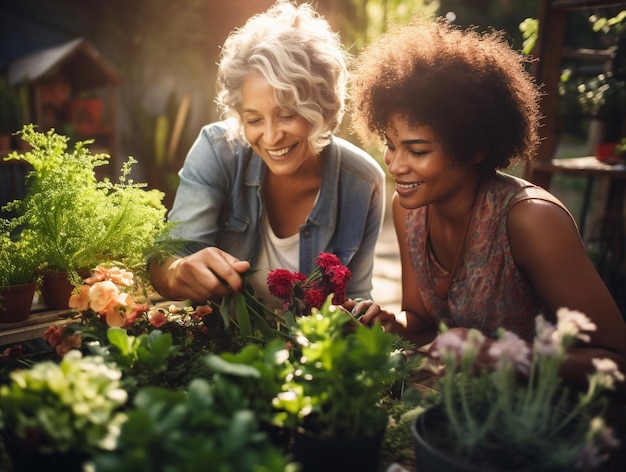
[{"x": 270, "y": 186}]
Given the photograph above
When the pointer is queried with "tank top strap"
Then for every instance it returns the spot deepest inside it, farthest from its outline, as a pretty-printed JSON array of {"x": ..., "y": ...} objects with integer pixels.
[{"x": 534, "y": 192}]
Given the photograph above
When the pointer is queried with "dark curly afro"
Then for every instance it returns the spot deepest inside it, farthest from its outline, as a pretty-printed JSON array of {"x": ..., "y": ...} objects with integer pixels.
[{"x": 472, "y": 88}]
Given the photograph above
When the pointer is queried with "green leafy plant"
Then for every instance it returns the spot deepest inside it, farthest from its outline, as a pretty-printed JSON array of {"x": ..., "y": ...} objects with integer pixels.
[
  {"x": 342, "y": 371},
  {"x": 536, "y": 423},
  {"x": 72, "y": 406},
  {"x": 149, "y": 349},
  {"x": 76, "y": 219},
  {"x": 18, "y": 261},
  {"x": 190, "y": 430},
  {"x": 602, "y": 96},
  {"x": 252, "y": 377}
]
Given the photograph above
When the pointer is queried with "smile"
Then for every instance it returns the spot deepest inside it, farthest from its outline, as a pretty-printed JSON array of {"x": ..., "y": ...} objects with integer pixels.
[
  {"x": 280, "y": 152},
  {"x": 408, "y": 186}
]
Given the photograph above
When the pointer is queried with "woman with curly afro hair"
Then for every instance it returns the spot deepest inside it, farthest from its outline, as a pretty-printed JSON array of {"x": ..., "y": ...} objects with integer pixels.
[{"x": 479, "y": 248}]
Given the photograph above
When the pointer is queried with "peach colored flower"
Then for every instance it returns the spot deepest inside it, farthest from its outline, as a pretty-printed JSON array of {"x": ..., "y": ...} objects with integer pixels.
[
  {"x": 174, "y": 309},
  {"x": 80, "y": 301},
  {"x": 102, "y": 295},
  {"x": 114, "y": 317},
  {"x": 120, "y": 276},
  {"x": 118, "y": 309},
  {"x": 53, "y": 335},
  {"x": 137, "y": 309},
  {"x": 114, "y": 274},
  {"x": 68, "y": 343},
  {"x": 203, "y": 310},
  {"x": 157, "y": 318}
]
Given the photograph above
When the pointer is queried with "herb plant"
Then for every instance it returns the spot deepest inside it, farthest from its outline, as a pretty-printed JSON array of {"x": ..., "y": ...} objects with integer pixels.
[
  {"x": 76, "y": 219},
  {"x": 491, "y": 414}
]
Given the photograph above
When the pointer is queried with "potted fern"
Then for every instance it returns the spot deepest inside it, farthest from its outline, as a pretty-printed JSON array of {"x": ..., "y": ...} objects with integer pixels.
[
  {"x": 78, "y": 220},
  {"x": 17, "y": 276}
]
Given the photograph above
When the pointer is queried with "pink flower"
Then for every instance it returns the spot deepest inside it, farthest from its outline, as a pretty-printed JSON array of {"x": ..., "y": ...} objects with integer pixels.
[
  {"x": 157, "y": 318},
  {"x": 511, "y": 350},
  {"x": 546, "y": 342},
  {"x": 448, "y": 342},
  {"x": 53, "y": 335},
  {"x": 131, "y": 315},
  {"x": 102, "y": 295},
  {"x": 80, "y": 301}
]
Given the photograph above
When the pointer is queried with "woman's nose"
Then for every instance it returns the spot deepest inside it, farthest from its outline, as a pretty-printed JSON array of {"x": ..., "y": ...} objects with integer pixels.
[
  {"x": 272, "y": 133},
  {"x": 395, "y": 163}
]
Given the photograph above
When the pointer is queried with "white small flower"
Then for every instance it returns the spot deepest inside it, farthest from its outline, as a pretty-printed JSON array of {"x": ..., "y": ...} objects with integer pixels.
[
  {"x": 571, "y": 323},
  {"x": 606, "y": 373}
]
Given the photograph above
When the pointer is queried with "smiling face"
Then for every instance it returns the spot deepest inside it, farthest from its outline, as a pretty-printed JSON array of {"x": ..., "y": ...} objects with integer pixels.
[
  {"x": 423, "y": 172},
  {"x": 278, "y": 135}
]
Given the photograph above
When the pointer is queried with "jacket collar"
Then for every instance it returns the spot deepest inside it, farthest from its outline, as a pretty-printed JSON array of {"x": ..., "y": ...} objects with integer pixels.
[{"x": 325, "y": 210}]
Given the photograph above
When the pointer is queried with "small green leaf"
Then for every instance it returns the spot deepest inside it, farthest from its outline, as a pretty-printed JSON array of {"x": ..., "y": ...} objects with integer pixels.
[
  {"x": 218, "y": 364},
  {"x": 243, "y": 317}
]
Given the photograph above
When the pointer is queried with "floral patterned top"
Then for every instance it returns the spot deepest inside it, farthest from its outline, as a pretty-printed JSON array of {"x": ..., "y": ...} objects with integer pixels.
[{"x": 488, "y": 290}]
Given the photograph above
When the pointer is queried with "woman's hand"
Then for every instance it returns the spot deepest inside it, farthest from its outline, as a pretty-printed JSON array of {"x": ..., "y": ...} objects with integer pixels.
[
  {"x": 368, "y": 312},
  {"x": 207, "y": 274}
]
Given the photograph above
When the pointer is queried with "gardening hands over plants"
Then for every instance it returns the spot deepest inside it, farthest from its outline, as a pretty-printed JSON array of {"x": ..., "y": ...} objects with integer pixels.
[
  {"x": 368, "y": 312},
  {"x": 207, "y": 274}
]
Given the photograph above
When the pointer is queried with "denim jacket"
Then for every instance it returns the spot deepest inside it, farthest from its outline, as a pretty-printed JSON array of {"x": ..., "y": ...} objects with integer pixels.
[{"x": 218, "y": 203}]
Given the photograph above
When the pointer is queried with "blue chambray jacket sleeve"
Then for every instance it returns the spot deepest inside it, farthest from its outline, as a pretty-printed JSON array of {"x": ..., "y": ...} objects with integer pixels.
[
  {"x": 361, "y": 264},
  {"x": 204, "y": 186}
]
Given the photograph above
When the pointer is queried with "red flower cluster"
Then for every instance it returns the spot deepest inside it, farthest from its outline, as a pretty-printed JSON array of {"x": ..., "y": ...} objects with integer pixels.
[{"x": 301, "y": 293}]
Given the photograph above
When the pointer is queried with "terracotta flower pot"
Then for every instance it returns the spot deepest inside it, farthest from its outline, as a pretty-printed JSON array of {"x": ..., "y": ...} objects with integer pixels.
[
  {"x": 16, "y": 302},
  {"x": 56, "y": 288}
]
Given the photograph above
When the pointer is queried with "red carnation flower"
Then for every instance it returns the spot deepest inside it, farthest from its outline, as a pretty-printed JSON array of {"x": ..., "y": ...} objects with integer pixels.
[
  {"x": 326, "y": 261},
  {"x": 315, "y": 298},
  {"x": 280, "y": 283}
]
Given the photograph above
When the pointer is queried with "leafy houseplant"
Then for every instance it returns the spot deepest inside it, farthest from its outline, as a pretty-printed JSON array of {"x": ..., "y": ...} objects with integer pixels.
[
  {"x": 17, "y": 258},
  {"x": 493, "y": 420},
  {"x": 191, "y": 430},
  {"x": 331, "y": 394},
  {"x": 67, "y": 408},
  {"x": 17, "y": 272},
  {"x": 77, "y": 220}
]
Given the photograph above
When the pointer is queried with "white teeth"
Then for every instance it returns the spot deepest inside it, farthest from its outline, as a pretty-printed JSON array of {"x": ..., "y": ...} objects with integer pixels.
[
  {"x": 279, "y": 152},
  {"x": 407, "y": 186}
]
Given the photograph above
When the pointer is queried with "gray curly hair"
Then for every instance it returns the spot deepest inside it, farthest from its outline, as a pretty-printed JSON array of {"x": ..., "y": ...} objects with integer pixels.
[{"x": 298, "y": 54}]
